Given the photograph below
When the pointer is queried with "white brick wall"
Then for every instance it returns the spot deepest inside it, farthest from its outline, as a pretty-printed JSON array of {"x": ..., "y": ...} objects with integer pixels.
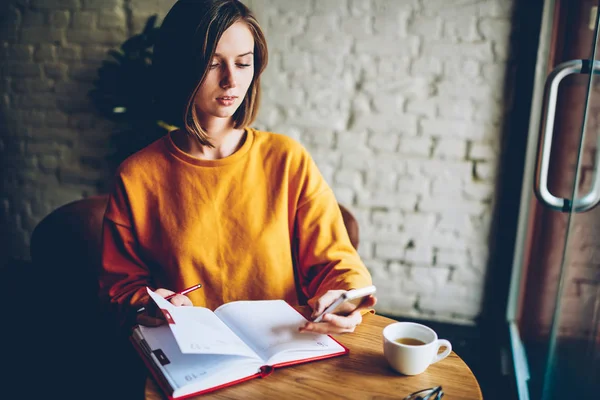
[{"x": 399, "y": 101}]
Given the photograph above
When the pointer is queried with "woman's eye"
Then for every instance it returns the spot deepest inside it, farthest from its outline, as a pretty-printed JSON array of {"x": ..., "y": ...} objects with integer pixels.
[
  {"x": 243, "y": 65},
  {"x": 213, "y": 66}
]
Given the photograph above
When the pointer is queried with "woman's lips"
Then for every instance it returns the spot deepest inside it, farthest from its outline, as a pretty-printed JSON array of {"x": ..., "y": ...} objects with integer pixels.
[{"x": 226, "y": 100}]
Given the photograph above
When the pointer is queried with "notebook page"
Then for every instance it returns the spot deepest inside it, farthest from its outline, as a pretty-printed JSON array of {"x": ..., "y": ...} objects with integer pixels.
[
  {"x": 197, "y": 330},
  {"x": 187, "y": 373},
  {"x": 270, "y": 327}
]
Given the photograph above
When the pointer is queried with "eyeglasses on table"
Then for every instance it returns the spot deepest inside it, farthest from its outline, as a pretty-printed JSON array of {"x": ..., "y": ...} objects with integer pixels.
[{"x": 434, "y": 393}]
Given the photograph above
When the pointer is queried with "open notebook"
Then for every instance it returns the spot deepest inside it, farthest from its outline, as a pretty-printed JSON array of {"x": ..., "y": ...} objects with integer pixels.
[{"x": 200, "y": 350}]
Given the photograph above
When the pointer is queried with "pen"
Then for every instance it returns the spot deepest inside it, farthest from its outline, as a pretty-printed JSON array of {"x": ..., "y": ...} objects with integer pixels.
[{"x": 184, "y": 291}]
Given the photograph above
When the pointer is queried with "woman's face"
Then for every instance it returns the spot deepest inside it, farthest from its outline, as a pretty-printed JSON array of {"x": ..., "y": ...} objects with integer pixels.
[{"x": 230, "y": 73}]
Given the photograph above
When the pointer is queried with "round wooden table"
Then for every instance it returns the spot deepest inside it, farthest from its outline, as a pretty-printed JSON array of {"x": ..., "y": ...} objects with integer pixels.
[{"x": 362, "y": 374}]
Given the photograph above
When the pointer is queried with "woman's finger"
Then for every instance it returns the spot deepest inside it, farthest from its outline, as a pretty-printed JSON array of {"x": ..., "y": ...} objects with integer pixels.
[
  {"x": 164, "y": 292},
  {"x": 346, "y": 322},
  {"x": 180, "y": 300},
  {"x": 368, "y": 302},
  {"x": 325, "y": 301},
  {"x": 177, "y": 299},
  {"x": 324, "y": 329},
  {"x": 333, "y": 323}
]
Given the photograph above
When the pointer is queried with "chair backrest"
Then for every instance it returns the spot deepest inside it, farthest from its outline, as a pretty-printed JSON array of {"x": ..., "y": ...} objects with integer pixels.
[
  {"x": 67, "y": 244},
  {"x": 351, "y": 225}
]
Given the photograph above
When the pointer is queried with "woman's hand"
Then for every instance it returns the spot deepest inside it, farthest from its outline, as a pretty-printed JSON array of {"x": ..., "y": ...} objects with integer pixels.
[
  {"x": 345, "y": 319},
  {"x": 152, "y": 316}
]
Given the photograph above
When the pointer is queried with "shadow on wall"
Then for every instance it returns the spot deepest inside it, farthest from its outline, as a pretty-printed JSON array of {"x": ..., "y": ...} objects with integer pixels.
[
  {"x": 518, "y": 93},
  {"x": 40, "y": 134}
]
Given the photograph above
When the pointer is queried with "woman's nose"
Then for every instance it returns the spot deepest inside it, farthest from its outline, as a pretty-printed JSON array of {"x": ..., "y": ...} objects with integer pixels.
[{"x": 228, "y": 80}]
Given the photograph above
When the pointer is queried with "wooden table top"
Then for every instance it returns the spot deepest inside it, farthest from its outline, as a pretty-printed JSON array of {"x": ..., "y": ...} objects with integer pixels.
[{"x": 362, "y": 374}]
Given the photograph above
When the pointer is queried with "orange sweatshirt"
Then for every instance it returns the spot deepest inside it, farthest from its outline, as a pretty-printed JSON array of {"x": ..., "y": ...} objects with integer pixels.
[{"x": 259, "y": 224}]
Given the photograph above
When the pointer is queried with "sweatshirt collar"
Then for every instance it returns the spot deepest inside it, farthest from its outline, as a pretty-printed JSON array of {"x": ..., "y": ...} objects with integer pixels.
[{"x": 183, "y": 156}]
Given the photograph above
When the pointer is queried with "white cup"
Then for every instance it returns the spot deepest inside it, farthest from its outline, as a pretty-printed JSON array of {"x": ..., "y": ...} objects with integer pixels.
[{"x": 412, "y": 359}]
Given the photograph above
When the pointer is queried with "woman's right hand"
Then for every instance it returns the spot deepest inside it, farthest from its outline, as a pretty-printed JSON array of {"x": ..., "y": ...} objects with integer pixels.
[{"x": 152, "y": 316}]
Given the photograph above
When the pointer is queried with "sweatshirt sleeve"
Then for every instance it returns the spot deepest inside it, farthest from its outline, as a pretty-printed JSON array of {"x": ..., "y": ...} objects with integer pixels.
[
  {"x": 124, "y": 275},
  {"x": 326, "y": 258}
]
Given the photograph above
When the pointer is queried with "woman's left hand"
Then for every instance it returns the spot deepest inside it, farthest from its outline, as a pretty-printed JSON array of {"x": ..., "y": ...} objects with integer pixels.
[{"x": 345, "y": 319}]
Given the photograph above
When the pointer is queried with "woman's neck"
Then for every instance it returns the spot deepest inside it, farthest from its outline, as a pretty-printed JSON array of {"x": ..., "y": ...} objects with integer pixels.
[{"x": 223, "y": 136}]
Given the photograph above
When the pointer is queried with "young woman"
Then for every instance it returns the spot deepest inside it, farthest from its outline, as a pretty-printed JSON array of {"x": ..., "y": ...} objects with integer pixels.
[{"x": 244, "y": 212}]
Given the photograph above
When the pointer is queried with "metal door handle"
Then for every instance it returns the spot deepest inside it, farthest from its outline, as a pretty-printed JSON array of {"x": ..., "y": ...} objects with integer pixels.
[{"x": 592, "y": 198}]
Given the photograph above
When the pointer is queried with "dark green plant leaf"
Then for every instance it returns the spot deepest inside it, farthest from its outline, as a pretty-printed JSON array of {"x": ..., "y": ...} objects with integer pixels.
[
  {"x": 117, "y": 55},
  {"x": 123, "y": 92},
  {"x": 150, "y": 23}
]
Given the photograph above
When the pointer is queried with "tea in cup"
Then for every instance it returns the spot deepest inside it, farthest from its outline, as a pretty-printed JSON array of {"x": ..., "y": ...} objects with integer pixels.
[{"x": 410, "y": 348}]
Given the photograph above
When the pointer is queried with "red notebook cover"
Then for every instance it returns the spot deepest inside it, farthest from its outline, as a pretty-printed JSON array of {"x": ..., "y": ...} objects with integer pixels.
[{"x": 263, "y": 373}]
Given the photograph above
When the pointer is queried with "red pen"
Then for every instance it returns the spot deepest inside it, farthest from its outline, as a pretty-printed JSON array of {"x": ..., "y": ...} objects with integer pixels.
[{"x": 184, "y": 291}]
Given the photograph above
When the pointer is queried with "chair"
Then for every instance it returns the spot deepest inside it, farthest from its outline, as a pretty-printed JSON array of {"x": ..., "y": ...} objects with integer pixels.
[{"x": 65, "y": 252}]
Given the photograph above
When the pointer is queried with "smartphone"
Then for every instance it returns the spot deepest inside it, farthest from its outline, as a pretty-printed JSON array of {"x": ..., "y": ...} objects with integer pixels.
[{"x": 354, "y": 296}]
